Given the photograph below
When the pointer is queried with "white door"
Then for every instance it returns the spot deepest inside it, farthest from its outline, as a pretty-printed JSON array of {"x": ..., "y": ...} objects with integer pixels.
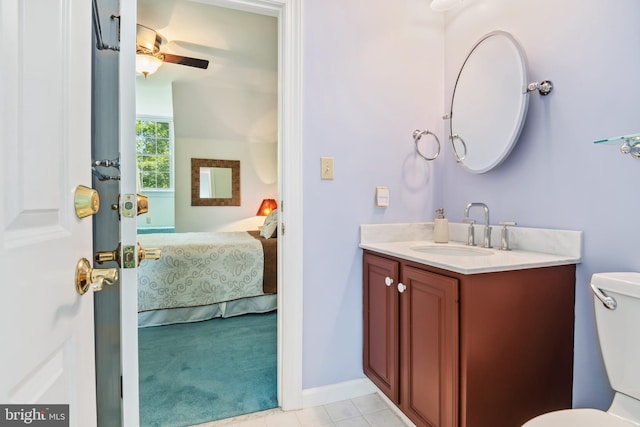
[{"x": 47, "y": 354}]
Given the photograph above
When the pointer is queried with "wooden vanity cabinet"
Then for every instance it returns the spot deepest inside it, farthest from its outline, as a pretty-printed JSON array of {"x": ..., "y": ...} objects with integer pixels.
[{"x": 480, "y": 350}]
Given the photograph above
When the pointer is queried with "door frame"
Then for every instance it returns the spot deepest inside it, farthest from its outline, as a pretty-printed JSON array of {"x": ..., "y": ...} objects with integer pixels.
[{"x": 290, "y": 178}]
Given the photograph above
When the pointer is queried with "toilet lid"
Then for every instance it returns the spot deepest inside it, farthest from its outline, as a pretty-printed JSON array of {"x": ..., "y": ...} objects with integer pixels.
[{"x": 578, "y": 418}]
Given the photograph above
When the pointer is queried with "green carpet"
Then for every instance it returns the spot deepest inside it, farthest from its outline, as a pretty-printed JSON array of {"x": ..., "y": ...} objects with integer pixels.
[{"x": 197, "y": 372}]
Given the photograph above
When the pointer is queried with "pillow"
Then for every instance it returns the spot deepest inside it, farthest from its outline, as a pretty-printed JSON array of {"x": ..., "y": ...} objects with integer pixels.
[{"x": 270, "y": 226}]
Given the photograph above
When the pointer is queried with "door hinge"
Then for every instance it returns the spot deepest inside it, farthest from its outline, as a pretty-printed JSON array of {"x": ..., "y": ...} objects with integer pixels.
[
  {"x": 282, "y": 231},
  {"x": 121, "y": 387}
]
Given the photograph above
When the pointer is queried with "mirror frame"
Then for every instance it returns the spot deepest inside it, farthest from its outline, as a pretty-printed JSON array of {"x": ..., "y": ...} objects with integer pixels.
[
  {"x": 234, "y": 165},
  {"x": 518, "y": 107}
]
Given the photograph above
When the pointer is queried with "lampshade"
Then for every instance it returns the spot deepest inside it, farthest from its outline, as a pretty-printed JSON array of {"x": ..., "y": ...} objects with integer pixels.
[
  {"x": 147, "y": 64},
  {"x": 266, "y": 207},
  {"x": 444, "y": 5}
]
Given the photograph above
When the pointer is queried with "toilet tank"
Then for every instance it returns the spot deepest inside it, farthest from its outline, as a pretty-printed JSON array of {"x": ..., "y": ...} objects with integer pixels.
[{"x": 619, "y": 329}]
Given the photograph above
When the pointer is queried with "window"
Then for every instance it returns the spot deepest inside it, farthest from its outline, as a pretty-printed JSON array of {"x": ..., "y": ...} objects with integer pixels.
[{"x": 154, "y": 152}]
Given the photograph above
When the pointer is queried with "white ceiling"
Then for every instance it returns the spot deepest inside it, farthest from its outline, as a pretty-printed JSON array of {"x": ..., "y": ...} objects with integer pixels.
[{"x": 233, "y": 41}]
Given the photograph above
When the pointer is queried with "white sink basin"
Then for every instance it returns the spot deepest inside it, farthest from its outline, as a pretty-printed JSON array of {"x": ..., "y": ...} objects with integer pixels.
[{"x": 451, "y": 250}]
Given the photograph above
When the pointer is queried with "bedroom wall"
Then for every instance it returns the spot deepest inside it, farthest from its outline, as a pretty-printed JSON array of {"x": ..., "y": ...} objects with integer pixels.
[
  {"x": 556, "y": 177},
  {"x": 228, "y": 123},
  {"x": 229, "y": 114},
  {"x": 373, "y": 73}
]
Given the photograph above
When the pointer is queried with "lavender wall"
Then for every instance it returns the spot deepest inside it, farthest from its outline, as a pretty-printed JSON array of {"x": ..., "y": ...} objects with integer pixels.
[
  {"x": 372, "y": 74},
  {"x": 556, "y": 177},
  {"x": 374, "y": 71}
]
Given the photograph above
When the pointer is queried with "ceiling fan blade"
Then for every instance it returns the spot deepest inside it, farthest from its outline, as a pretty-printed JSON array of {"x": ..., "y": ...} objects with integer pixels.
[
  {"x": 147, "y": 39},
  {"x": 184, "y": 60}
]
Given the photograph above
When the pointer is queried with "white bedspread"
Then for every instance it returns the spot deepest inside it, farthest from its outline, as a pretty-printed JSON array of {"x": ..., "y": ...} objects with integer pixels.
[{"x": 199, "y": 268}]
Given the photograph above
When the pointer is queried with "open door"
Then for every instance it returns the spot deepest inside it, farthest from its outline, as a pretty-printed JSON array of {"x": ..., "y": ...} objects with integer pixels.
[{"x": 47, "y": 355}]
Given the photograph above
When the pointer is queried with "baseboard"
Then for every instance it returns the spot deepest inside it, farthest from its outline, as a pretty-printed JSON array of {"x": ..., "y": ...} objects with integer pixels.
[{"x": 336, "y": 392}]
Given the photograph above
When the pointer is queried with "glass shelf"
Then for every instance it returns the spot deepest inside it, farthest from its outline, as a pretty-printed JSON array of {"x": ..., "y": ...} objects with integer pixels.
[
  {"x": 629, "y": 144},
  {"x": 625, "y": 138}
]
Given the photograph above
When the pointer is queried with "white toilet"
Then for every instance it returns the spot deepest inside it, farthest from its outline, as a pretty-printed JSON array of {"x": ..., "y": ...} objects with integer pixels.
[{"x": 617, "y": 309}]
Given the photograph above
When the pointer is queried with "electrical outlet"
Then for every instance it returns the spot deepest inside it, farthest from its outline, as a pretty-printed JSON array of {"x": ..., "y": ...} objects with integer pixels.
[
  {"x": 148, "y": 220},
  {"x": 326, "y": 167}
]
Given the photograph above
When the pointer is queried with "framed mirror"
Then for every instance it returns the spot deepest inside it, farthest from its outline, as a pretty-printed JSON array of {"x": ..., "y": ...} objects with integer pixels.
[
  {"x": 215, "y": 182},
  {"x": 489, "y": 102}
]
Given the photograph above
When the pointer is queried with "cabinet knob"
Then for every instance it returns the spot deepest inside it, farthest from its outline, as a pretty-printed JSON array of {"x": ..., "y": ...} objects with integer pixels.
[
  {"x": 388, "y": 281},
  {"x": 401, "y": 287}
]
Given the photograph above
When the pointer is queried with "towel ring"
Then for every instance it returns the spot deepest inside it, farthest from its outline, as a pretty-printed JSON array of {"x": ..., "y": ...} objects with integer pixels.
[{"x": 417, "y": 134}]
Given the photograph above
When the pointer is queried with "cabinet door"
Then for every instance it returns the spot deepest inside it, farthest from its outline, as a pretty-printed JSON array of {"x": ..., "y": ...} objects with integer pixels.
[
  {"x": 429, "y": 348},
  {"x": 516, "y": 345},
  {"x": 381, "y": 336}
]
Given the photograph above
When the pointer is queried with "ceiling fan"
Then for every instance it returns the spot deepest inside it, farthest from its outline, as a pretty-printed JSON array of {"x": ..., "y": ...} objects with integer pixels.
[{"x": 148, "y": 55}]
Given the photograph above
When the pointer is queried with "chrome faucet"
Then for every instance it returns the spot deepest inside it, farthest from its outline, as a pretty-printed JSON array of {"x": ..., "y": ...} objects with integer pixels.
[{"x": 487, "y": 227}]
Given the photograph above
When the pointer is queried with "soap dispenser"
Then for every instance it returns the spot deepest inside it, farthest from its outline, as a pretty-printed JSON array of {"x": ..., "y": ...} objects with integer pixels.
[{"x": 440, "y": 227}]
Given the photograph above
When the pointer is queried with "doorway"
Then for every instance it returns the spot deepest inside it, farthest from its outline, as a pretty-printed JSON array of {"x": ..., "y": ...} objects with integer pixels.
[
  {"x": 224, "y": 116},
  {"x": 290, "y": 161}
]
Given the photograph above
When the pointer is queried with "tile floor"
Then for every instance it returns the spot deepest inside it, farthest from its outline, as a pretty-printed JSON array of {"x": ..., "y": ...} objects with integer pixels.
[{"x": 366, "y": 411}]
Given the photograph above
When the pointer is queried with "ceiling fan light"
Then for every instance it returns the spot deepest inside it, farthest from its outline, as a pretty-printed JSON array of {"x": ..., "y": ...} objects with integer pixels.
[
  {"x": 444, "y": 5},
  {"x": 147, "y": 64}
]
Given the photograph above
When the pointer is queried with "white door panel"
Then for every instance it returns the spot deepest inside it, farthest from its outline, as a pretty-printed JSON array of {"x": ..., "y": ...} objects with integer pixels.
[{"x": 45, "y": 143}]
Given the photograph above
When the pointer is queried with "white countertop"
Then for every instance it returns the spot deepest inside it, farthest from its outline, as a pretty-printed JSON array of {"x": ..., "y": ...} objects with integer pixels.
[{"x": 531, "y": 247}]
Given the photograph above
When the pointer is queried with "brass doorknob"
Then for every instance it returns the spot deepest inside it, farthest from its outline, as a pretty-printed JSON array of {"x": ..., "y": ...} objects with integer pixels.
[
  {"x": 86, "y": 201},
  {"x": 115, "y": 255},
  {"x": 106, "y": 256},
  {"x": 150, "y": 253},
  {"x": 87, "y": 276},
  {"x": 125, "y": 205},
  {"x": 143, "y": 204}
]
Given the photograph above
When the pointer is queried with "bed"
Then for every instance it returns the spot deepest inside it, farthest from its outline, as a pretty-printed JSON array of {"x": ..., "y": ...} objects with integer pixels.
[{"x": 205, "y": 275}]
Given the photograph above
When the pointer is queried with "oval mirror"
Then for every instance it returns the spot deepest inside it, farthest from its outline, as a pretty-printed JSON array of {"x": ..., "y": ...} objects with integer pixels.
[{"x": 489, "y": 102}]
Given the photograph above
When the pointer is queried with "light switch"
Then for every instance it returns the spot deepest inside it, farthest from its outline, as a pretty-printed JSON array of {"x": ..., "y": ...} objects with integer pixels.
[
  {"x": 382, "y": 197},
  {"x": 326, "y": 167}
]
